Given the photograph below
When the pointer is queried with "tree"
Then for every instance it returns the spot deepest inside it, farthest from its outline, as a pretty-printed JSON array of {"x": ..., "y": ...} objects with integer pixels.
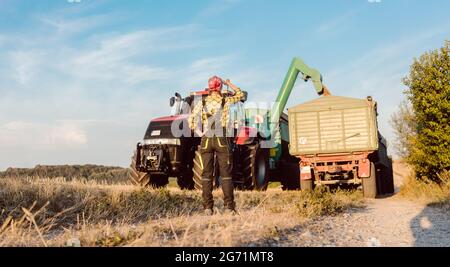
[
  {"x": 404, "y": 125},
  {"x": 422, "y": 124}
]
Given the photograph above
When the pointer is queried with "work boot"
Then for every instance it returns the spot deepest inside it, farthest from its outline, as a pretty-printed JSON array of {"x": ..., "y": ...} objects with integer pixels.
[{"x": 208, "y": 212}]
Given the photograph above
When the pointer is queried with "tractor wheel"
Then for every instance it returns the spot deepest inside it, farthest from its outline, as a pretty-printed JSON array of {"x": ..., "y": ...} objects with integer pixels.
[
  {"x": 144, "y": 179},
  {"x": 255, "y": 168},
  {"x": 198, "y": 170},
  {"x": 185, "y": 181},
  {"x": 370, "y": 184},
  {"x": 138, "y": 178},
  {"x": 290, "y": 176},
  {"x": 158, "y": 181}
]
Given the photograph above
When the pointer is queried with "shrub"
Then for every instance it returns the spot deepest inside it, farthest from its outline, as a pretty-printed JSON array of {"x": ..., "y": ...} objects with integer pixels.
[{"x": 422, "y": 124}]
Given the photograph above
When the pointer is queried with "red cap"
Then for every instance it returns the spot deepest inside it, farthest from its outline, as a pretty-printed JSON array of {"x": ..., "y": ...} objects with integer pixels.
[{"x": 215, "y": 84}]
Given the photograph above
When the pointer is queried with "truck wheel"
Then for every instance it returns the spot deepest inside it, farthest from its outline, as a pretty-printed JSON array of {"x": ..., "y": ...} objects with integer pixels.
[
  {"x": 290, "y": 176},
  {"x": 145, "y": 179},
  {"x": 390, "y": 179},
  {"x": 370, "y": 184},
  {"x": 198, "y": 170},
  {"x": 255, "y": 168},
  {"x": 381, "y": 181}
]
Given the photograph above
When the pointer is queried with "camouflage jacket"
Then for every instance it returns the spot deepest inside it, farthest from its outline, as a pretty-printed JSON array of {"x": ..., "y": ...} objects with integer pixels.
[{"x": 213, "y": 106}]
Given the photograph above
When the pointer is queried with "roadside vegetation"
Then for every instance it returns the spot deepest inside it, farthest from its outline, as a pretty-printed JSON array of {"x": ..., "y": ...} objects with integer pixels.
[
  {"x": 58, "y": 212},
  {"x": 433, "y": 193},
  {"x": 422, "y": 127}
]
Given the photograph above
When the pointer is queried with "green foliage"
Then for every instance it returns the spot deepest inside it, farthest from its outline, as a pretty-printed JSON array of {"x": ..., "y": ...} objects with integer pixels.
[
  {"x": 423, "y": 125},
  {"x": 405, "y": 128}
]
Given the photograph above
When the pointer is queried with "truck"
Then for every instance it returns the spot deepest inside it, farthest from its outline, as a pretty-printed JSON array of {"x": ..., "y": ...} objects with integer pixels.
[
  {"x": 260, "y": 144},
  {"x": 338, "y": 143}
]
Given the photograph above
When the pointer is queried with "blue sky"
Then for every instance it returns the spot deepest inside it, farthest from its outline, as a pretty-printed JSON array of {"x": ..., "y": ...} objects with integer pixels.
[{"x": 80, "y": 79}]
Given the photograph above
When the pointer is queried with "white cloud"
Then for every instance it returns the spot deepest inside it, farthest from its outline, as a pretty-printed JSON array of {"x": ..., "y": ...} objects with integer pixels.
[
  {"x": 198, "y": 72},
  {"x": 379, "y": 73},
  {"x": 113, "y": 76},
  {"x": 66, "y": 135},
  {"x": 24, "y": 65},
  {"x": 42, "y": 135},
  {"x": 68, "y": 27},
  {"x": 112, "y": 58},
  {"x": 218, "y": 7},
  {"x": 335, "y": 25}
]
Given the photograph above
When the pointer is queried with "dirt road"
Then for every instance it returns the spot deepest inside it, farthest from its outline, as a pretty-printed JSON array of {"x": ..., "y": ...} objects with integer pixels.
[
  {"x": 384, "y": 222},
  {"x": 389, "y": 221}
]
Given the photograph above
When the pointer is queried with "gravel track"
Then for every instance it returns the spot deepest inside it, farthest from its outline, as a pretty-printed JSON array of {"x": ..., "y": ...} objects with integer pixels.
[{"x": 389, "y": 221}]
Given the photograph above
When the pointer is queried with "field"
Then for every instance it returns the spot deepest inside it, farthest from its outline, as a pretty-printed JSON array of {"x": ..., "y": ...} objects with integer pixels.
[
  {"x": 97, "y": 206},
  {"x": 58, "y": 212}
]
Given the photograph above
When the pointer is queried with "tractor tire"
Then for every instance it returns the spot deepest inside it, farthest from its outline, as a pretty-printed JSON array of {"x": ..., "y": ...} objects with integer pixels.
[
  {"x": 144, "y": 179},
  {"x": 197, "y": 171},
  {"x": 185, "y": 182},
  {"x": 369, "y": 184},
  {"x": 138, "y": 178},
  {"x": 256, "y": 168},
  {"x": 159, "y": 181},
  {"x": 290, "y": 176}
]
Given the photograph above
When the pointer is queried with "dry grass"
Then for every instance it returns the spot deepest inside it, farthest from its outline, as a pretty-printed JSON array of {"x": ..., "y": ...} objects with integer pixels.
[
  {"x": 99, "y": 173},
  {"x": 428, "y": 191},
  {"x": 56, "y": 212}
]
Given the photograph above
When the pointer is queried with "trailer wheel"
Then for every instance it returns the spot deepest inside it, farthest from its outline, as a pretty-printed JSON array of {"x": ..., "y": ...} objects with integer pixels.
[
  {"x": 381, "y": 182},
  {"x": 198, "y": 171},
  {"x": 370, "y": 184},
  {"x": 255, "y": 168},
  {"x": 290, "y": 178},
  {"x": 390, "y": 179},
  {"x": 144, "y": 179}
]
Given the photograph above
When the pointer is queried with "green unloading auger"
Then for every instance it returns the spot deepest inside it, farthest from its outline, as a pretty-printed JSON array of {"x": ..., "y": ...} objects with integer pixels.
[{"x": 297, "y": 67}]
